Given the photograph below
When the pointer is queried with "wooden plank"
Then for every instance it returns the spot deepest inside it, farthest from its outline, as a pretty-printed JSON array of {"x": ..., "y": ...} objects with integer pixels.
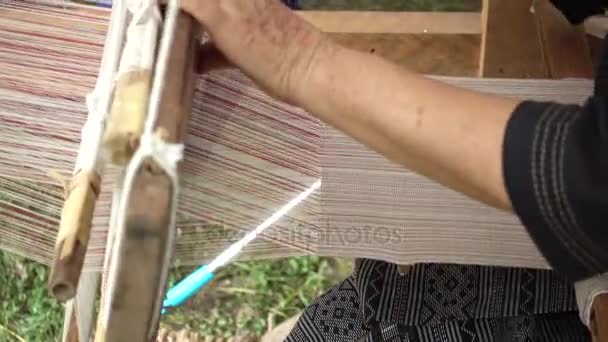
[
  {"x": 484, "y": 30},
  {"x": 394, "y": 22},
  {"x": 72, "y": 334},
  {"x": 565, "y": 48},
  {"x": 447, "y": 55},
  {"x": 512, "y": 43}
]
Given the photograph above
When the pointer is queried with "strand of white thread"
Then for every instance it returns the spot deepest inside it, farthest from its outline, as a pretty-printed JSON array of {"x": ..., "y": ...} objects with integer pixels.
[{"x": 234, "y": 249}]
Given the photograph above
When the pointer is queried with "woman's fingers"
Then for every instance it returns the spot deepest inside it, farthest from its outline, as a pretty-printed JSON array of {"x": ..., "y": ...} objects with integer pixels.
[{"x": 263, "y": 38}]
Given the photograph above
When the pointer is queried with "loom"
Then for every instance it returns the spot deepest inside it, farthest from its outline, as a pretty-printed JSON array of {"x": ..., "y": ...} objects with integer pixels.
[
  {"x": 137, "y": 117},
  {"x": 245, "y": 156}
]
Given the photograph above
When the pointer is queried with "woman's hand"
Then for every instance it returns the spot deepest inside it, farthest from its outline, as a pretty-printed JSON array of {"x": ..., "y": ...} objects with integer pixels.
[{"x": 263, "y": 38}]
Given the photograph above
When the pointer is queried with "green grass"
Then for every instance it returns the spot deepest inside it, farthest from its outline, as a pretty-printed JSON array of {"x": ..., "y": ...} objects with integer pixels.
[
  {"x": 244, "y": 299},
  {"x": 27, "y": 313}
]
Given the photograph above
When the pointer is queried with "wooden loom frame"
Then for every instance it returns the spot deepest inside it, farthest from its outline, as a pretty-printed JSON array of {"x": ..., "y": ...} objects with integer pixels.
[{"x": 505, "y": 40}]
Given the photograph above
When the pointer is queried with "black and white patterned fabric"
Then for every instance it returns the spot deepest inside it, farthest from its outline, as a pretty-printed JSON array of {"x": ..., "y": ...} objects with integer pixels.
[{"x": 443, "y": 303}]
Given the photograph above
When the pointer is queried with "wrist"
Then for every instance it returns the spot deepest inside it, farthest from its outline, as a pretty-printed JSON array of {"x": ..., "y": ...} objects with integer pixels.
[{"x": 305, "y": 75}]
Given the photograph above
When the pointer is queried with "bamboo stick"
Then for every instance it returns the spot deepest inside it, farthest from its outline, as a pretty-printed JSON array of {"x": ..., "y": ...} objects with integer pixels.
[
  {"x": 130, "y": 106},
  {"x": 83, "y": 190},
  {"x": 128, "y": 116},
  {"x": 74, "y": 231}
]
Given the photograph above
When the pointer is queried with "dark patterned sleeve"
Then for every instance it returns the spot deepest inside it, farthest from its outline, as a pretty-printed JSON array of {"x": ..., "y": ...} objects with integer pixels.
[{"x": 555, "y": 160}]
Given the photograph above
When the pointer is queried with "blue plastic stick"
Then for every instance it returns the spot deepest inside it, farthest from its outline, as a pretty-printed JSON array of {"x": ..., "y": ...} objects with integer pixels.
[
  {"x": 188, "y": 287},
  {"x": 199, "y": 278}
]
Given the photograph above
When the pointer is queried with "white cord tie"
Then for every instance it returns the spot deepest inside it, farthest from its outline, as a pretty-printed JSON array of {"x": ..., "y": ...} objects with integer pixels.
[
  {"x": 143, "y": 11},
  {"x": 165, "y": 154}
]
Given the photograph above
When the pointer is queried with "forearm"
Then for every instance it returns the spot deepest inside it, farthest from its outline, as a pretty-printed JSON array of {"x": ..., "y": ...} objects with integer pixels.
[{"x": 448, "y": 134}]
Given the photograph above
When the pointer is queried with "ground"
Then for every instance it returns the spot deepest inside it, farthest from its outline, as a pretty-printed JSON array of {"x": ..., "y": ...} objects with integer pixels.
[
  {"x": 245, "y": 300},
  {"x": 249, "y": 298}
]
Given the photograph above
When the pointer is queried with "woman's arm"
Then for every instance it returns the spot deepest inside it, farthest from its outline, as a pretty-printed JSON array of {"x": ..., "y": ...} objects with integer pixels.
[{"x": 449, "y": 134}]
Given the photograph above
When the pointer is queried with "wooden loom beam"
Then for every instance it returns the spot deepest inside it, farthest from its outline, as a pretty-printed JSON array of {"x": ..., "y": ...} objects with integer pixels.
[
  {"x": 72, "y": 334},
  {"x": 439, "y": 43},
  {"x": 565, "y": 49},
  {"x": 133, "y": 303},
  {"x": 510, "y": 41},
  {"x": 394, "y": 22},
  {"x": 522, "y": 40},
  {"x": 432, "y": 43},
  {"x": 481, "y": 62}
]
